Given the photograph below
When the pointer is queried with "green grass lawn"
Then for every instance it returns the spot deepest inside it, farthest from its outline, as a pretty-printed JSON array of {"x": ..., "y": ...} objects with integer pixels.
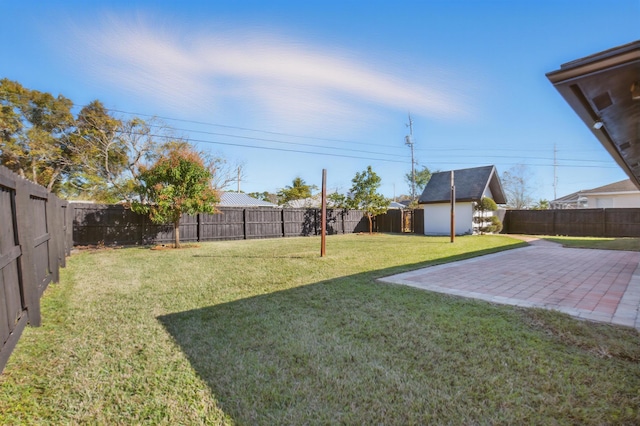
[
  {"x": 267, "y": 332},
  {"x": 629, "y": 244}
]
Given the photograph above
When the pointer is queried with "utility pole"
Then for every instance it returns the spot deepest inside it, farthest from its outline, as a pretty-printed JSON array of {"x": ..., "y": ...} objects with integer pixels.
[
  {"x": 409, "y": 141},
  {"x": 323, "y": 220},
  {"x": 453, "y": 208},
  {"x": 555, "y": 172},
  {"x": 239, "y": 172}
]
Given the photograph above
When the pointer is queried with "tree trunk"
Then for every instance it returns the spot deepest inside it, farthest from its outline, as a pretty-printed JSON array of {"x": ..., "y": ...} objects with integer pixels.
[
  {"x": 370, "y": 223},
  {"x": 176, "y": 233}
]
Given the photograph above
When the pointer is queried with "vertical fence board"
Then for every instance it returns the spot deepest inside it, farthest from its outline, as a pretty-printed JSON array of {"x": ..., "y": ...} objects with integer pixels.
[
  {"x": 41, "y": 252},
  {"x": 418, "y": 221},
  {"x": 32, "y": 248},
  {"x": 26, "y": 228},
  {"x": 11, "y": 300}
]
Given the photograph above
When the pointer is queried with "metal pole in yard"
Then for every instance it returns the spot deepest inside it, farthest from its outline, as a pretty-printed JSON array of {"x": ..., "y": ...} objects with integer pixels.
[
  {"x": 453, "y": 209},
  {"x": 323, "y": 232}
]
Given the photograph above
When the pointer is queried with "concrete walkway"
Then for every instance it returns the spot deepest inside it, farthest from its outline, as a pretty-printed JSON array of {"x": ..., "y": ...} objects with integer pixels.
[{"x": 597, "y": 285}]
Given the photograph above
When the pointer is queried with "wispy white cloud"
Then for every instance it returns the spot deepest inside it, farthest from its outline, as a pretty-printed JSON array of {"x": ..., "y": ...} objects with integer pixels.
[{"x": 273, "y": 76}]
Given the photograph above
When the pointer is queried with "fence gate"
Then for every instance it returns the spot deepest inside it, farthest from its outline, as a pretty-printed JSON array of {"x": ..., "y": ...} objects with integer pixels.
[{"x": 407, "y": 221}]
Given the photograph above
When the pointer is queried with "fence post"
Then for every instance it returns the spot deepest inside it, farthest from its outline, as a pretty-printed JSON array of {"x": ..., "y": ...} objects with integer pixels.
[
  {"x": 244, "y": 223},
  {"x": 198, "y": 224},
  {"x": 284, "y": 234},
  {"x": 51, "y": 211},
  {"x": 24, "y": 218}
]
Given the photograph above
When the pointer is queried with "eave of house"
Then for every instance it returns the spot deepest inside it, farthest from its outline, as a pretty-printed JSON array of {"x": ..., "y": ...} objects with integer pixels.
[{"x": 599, "y": 89}]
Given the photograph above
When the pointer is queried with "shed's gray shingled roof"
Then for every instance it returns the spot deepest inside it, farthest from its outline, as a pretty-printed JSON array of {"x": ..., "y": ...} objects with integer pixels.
[
  {"x": 238, "y": 199},
  {"x": 470, "y": 185}
]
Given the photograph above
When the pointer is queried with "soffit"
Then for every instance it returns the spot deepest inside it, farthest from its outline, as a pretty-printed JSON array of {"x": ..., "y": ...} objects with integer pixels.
[{"x": 598, "y": 88}]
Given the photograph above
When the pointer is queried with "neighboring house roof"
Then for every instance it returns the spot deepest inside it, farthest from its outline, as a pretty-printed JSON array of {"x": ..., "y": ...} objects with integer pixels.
[
  {"x": 567, "y": 199},
  {"x": 470, "y": 185},
  {"x": 311, "y": 202},
  {"x": 396, "y": 205},
  {"x": 622, "y": 186},
  {"x": 238, "y": 199},
  {"x": 616, "y": 188}
]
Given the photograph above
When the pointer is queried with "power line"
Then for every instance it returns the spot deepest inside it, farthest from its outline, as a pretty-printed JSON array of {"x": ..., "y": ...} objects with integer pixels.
[
  {"x": 281, "y": 149},
  {"x": 248, "y": 129},
  {"x": 287, "y": 142},
  {"x": 336, "y": 140}
]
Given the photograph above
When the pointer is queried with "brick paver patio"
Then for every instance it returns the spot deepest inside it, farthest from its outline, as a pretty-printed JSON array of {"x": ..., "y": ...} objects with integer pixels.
[{"x": 597, "y": 285}]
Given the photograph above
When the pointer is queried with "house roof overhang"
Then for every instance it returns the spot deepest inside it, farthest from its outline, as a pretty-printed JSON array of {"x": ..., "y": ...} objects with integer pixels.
[{"x": 605, "y": 88}]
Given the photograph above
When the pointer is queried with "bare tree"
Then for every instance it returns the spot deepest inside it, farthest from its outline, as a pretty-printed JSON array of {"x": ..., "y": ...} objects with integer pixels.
[{"x": 518, "y": 186}]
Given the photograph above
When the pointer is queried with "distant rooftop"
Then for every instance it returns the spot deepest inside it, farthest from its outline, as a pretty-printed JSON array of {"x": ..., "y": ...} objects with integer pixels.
[{"x": 239, "y": 199}]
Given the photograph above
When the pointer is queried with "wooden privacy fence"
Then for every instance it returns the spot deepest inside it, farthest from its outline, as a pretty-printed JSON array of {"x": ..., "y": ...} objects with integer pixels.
[
  {"x": 33, "y": 245},
  {"x": 116, "y": 225},
  {"x": 576, "y": 223},
  {"x": 96, "y": 224}
]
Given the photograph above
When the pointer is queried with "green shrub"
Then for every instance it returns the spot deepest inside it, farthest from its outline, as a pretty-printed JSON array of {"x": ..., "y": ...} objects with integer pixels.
[{"x": 487, "y": 224}]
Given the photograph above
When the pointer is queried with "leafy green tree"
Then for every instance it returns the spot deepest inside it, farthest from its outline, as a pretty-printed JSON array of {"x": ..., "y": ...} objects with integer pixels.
[
  {"x": 264, "y": 196},
  {"x": 298, "y": 190},
  {"x": 338, "y": 201},
  {"x": 422, "y": 178},
  {"x": 99, "y": 154},
  {"x": 35, "y": 129},
  {"x": 178, "y": 183},
  {"x": 541, "y": 205},
  {"x": 364, "y": 195}
]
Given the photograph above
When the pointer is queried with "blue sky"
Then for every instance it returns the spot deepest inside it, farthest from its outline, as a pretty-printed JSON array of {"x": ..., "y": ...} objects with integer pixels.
[{"x": 256, "y": 81}]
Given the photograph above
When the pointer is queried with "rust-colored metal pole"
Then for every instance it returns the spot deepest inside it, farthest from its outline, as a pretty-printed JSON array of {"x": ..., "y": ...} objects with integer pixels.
[
  {"x": 453, "y": 209},
  {"x": 323, "y": 232}
]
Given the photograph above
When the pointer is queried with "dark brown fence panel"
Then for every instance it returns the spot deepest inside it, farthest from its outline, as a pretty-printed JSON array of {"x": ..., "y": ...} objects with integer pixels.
[
  {"x": 118, "y": 225},
  {"x": 32, "y": 246},
  {"x": 188, "y": 228},
  {"x": 622, "y": 222},
  {"x": 301, "y": 222},
  {"x": 580, "y": 223},
  {"x": 577, "y": 223},
  {"x": 263, "y": 223},
  {"x": 418, "y": 221},
  {"x": 354, "y": 221},
  {"x": 334, "y": 222},
  {"x": 11, "y": 306},
  {"x": 68, "y": 229},
  {"x": 391, "y": 221},
  {"x": 400, "y": 221},
  {"x": 531, "y": 222},
  {"x": 41, "y": 250},
  {"x": 106, "y": 224},
  {"x": 226, "y": 225}
]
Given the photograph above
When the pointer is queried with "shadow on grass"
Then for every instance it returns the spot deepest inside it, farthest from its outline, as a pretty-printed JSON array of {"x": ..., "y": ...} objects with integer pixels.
[
  {"x": 333, "y": 352},
  {"x": 353, "y": 351}
]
